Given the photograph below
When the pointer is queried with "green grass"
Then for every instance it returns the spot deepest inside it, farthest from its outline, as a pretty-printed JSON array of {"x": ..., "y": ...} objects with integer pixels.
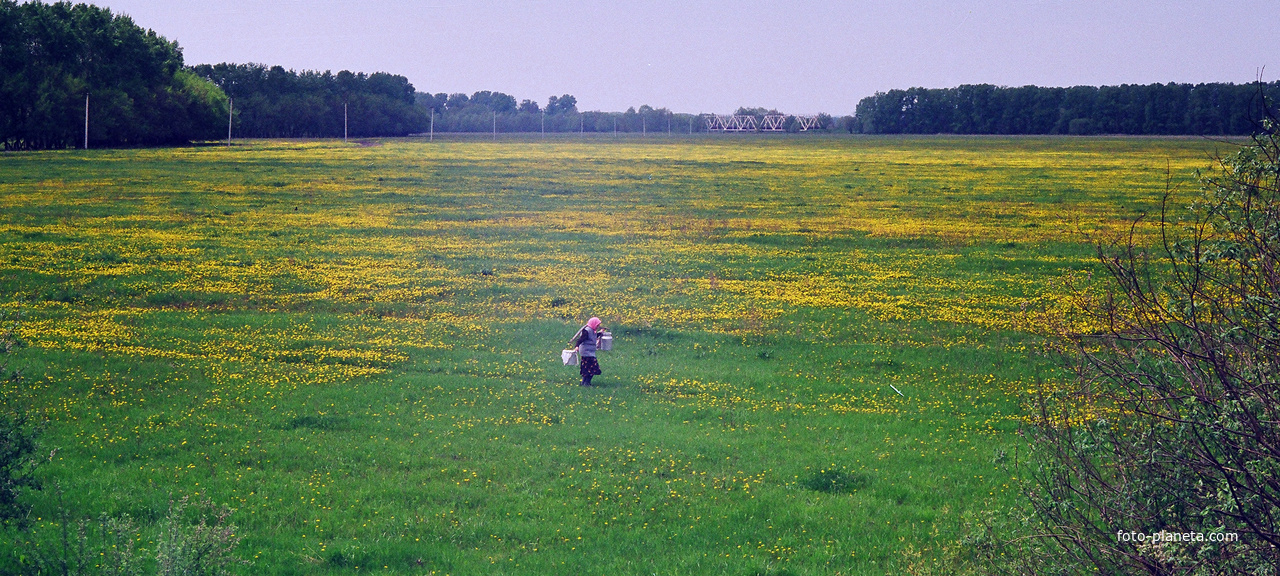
[{"x": 357, "y": 347}]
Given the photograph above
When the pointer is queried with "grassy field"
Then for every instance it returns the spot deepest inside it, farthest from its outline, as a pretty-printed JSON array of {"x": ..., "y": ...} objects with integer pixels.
[{"x": 357, "y": 346}]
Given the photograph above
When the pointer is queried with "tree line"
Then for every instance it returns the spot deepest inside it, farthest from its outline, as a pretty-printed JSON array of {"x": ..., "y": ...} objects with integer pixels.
[
  {"x": 1156, "y": 109},
  {"x": 271, "y": 102},
  {"x": 57, "y": 59},
  {"x": 61, "y": 60},
  {"x": 487, "y": 111}
]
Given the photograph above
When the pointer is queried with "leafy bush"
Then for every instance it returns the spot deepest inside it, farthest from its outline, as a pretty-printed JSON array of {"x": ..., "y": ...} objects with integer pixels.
[
  {"x": 203, "y": 548},
  {"x": 17, "y": 445},
  {"x": 1175, "y": 420},
  {"x": 17, "y": 462}
]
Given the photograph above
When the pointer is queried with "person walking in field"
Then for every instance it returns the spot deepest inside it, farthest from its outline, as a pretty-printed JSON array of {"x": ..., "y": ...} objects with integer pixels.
[{"x": 585, "y": 341}]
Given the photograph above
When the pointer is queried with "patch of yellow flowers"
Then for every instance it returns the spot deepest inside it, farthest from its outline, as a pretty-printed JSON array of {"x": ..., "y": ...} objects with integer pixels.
[{"x": 423, "y": 242}]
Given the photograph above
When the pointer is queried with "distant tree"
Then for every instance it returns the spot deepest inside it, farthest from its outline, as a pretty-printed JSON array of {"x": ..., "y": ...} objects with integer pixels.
[
  {"x": 629, "y": 121},
  {"x": 566, "y": 104},
  {"x": 529, "y": 107},
  {"x": 1076, "y": 110},
  {"x": 757, "y": 112},
  {"x": 494, "y": 101},
  {"x": 435, "y": 102},
  {"x": 1205, "y": 114},
  {"x": 457, "y": 102}
]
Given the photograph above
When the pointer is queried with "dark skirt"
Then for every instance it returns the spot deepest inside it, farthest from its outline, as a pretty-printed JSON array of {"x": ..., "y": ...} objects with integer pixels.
[{"x": 588, "y": 366}]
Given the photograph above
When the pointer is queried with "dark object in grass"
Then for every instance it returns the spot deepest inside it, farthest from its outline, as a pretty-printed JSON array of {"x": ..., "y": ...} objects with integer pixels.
[
  {"x": 836, "y": 482},
  {"x": 325, "y": 423}
]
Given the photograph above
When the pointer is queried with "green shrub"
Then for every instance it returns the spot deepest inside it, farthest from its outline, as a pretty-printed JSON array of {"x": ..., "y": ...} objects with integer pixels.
[
  {"x": 17, "y": 444},
  {"x": 202, "y": 548},
  {"x": 1173, "y": 424}
]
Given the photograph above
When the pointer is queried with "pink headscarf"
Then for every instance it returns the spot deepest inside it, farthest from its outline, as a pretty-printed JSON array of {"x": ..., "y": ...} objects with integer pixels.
[{"x": 593, "y": 322}]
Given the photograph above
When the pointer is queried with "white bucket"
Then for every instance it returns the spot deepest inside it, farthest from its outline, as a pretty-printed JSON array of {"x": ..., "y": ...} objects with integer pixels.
[
  {"x": 569, "y": 357},
  {"x": 606, "y": 341}
]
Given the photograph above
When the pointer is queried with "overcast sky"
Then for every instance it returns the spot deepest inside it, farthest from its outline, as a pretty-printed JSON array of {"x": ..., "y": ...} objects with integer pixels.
[{"x": 693, "y": 56}]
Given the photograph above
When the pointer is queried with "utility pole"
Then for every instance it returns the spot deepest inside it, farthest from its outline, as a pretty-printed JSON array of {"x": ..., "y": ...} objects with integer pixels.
[
  {"x": 344, "y": 122},
  {"x": 231, "y": 106},
  {"x": 582, "y": 125},
  {"x": 643, "y": 129},
  {"x": 433, "y": 126},
  {"x": 615, "y": 126},
  {"x": 495, "y": 125},
  {"x": 544, "y": 123},
  {"x": 86, "y": 120}
]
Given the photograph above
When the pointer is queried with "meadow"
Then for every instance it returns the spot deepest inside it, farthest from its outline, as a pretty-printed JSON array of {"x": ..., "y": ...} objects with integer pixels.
[{"x": 824, "y": 346}]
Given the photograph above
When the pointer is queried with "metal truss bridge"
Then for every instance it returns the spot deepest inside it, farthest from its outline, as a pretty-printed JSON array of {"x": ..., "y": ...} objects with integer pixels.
[{"x": 749, "y": 123}]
